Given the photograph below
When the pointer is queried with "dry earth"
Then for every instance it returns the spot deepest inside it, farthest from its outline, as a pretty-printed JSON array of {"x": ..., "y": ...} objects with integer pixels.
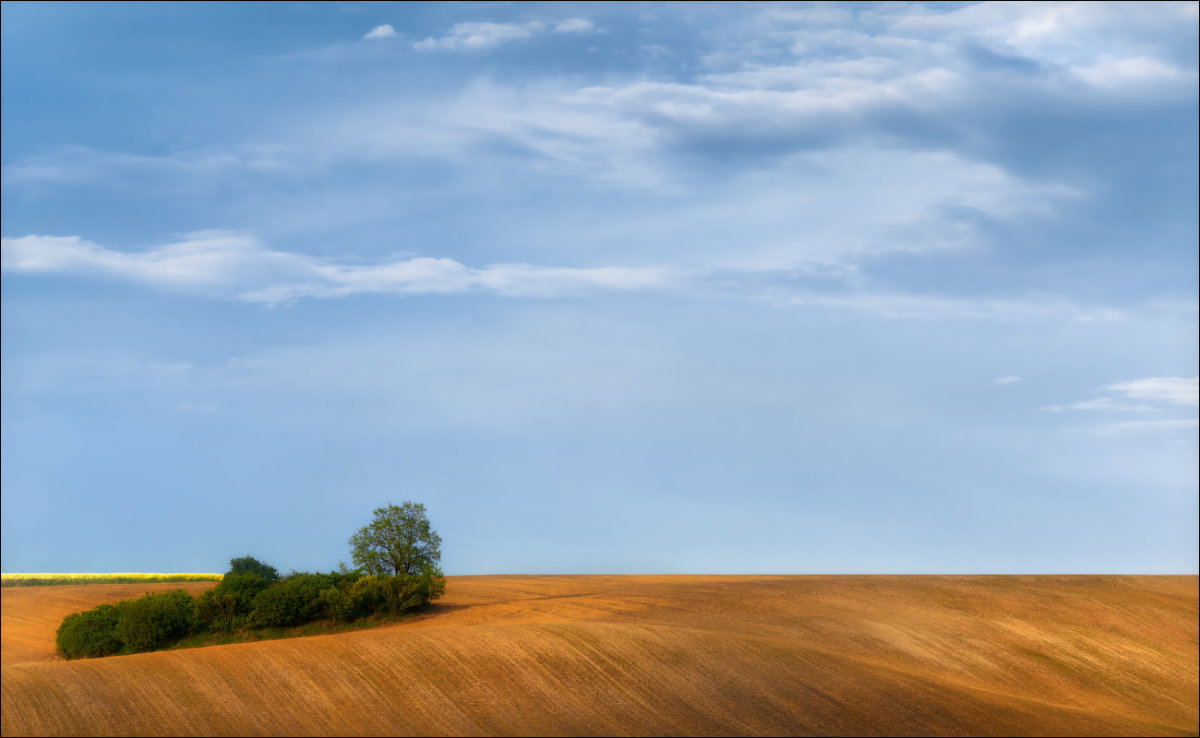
[{"x": 661, "y": 655}]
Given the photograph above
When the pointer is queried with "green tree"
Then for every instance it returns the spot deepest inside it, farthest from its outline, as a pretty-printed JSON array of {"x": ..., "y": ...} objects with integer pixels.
[
  {"x": 251, "y": 565},
  {"x": 398, "y": 541}
]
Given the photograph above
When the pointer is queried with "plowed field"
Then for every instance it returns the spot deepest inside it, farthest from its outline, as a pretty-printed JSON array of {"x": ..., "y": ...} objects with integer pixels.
[{"x": 653, "y": 655}]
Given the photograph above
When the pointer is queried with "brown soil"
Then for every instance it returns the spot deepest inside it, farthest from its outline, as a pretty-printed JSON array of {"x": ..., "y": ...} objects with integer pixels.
[{"x": 664, "y": 655}]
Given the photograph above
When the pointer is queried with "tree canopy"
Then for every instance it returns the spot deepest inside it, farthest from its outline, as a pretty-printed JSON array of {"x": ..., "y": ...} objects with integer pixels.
[
  {"x": 251, "y": 565},
  {"x": 398, "y": 541}
]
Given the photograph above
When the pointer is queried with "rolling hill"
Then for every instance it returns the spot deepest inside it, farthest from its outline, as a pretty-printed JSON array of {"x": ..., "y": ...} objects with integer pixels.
[{"x": 663, "y": 655}]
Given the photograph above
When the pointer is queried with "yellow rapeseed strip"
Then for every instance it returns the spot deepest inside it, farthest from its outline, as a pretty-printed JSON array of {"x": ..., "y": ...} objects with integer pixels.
[{"x": 127, "y": 577}]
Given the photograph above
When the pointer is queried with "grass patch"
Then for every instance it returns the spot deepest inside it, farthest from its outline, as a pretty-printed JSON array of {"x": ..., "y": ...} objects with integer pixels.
[
  {"x": 37, "y": 580},
  {"x": 320, "y": 627}
]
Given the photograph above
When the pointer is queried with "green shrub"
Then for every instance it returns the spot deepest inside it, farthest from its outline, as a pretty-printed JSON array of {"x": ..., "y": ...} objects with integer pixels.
[
  {"x": 294, "y": 600},
  {"x": 366, "y": 597},
  {"x": 156, "y": 620},
  {"x": 218, "y": 612},
  {"x": 344, "y": 579},
  {"x": 371, "y": 595},
  {"x": 334, "y": 603},
  {"x": 88, "y": 634},
  {"x": 243, "y": 588},
  {"x": 433, "y": 583},
  {"x": 401, "y": 592}
]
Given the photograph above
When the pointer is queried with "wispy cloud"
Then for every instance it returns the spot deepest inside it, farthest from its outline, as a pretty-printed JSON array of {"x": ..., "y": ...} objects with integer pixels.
[
  {"x": 1008, "y": 380},
  {"x": 485, "y": 35},
  {"x": 898, "y": 305},
  {"x": 238, "y": 267},
  {"x": 1154, "y": 394},
  {"x": 1109, "y": 404},
  {"x": 574, "y": 25},
  {"x": 80, "y": 165},
  {"x": 1139, "y": 427},
  {"x": 1174, "y": 390},
  {"x": 1104, "y": 404},
  {"x": 480, "y": 36}
]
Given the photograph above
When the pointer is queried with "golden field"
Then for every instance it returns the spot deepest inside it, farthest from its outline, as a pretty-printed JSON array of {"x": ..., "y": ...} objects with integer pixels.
[{"x": 663, "y": 655}]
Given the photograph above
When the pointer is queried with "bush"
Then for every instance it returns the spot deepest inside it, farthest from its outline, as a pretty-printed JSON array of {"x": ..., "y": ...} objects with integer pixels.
[
  {"x": 156, "y": 620},
  {"x": 292, "y": 601},
  {"x": 388, "y": 593},
  {"x": 90, "y": 633},
  {"x": 218, "y": 611},
  {"x": 433, "y": 583},
  {"x": 362, "y": 597},
  {"x": 401, "y": 592},
  {"x": 243, "y": 587},
  {"x": 335, "y": 605},
  {"x": 365, "y": 597}
]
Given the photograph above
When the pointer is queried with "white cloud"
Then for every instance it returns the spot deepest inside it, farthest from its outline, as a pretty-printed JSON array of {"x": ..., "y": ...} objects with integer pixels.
[
  {"x": 384, "y": 31},
  {"x": 189, "y": 169},
  {"x": 1109, "y": 404},
  {"x": 1008, "y": 380},
  {"x": 899, "y": 66},
  {"x": 479, "y": 36},
  {"x": 1106, "y": 404},
  {"x": 1054, "y": 33},
  {"x": 574, "y": 25},
  {"x": 1157, "y": 394},
  {"x": 1136, "y": 73},
  {"x": 484, "y": 35},
  {"x": 236, "y": 267},
  {"x": 1175, "y": 390},
  {"x": 927, "y": 307},
  {"x": 1130, "y": 427}
]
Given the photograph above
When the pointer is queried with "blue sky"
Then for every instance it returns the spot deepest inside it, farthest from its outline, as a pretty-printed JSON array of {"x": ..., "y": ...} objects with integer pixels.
[{"x": 610, "y": 288}]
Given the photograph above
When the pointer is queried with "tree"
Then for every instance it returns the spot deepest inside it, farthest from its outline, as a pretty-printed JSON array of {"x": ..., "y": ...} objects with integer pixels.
[
  {"x": 398, "y": 541},
  {"x": 251, "y": 565},
  {"x": 247, "y": 576}
]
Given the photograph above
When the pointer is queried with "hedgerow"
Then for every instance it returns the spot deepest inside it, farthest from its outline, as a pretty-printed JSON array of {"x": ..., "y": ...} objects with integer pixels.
[{"x": 251, "y": 596}]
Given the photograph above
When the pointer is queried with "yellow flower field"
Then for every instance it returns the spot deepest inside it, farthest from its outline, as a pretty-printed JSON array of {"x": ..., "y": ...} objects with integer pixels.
[{"x": 127, "y": 577}]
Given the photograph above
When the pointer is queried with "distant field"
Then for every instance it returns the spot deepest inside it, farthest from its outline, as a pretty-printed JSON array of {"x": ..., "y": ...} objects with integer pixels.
[
  {"x": 660, "y": 655},
  {"x": 36, "y": 580}
]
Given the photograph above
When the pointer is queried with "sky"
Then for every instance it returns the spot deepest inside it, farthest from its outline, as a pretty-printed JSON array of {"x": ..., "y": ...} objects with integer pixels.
[{"x": 610, "y": 288}]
